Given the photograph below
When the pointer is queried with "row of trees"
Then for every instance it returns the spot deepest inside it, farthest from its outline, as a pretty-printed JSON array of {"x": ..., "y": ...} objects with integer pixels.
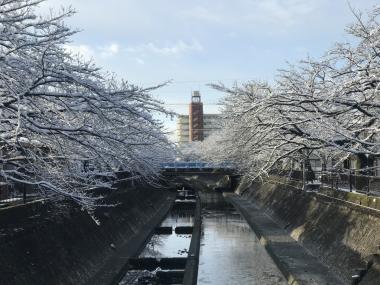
[
  {"x": 329, "y": 108},
  {"x": 66, "y": 126}
]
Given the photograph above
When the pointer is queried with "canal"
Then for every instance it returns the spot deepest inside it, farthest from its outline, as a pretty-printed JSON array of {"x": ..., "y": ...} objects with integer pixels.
[{"x": 229, "y": 254}]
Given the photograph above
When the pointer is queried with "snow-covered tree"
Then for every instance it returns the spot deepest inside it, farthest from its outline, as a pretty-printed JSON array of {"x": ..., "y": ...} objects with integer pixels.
[
  {"x": 65, "y": 125},
  {"x": 327, "y": 107}
]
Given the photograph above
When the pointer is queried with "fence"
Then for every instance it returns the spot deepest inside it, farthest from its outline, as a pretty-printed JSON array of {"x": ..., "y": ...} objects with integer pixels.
[
  {"x": 16, "y": 194},
  {"x": 342, "y": 180},
  {"x": 351, "y": 180}
]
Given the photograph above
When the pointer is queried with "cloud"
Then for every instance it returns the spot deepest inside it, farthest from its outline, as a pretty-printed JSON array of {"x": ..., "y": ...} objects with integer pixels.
[
  {"x": 84, "y": 51},
  {"x": 89, "y": 52},
  {"x": 178, "y": 48},
  {"x": 140, "y": 61},
  {"x": 110, "y": 50},
  {"x": 113, "y": 49},
  {"x": 281, "y": 13},
  {"x": 203, "y": 14},
  {"x": 274, "y": 15}
]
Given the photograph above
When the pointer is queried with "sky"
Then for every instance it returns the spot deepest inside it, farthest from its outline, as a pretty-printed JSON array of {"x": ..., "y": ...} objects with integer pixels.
[{"x": 197, "y": 42}]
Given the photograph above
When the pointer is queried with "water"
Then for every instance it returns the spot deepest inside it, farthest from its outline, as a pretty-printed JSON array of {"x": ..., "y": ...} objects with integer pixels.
[
  {"x": 174, "y": 245},
  {"x": 230, "y": 252},
  {"x": 163, "y": 245}
]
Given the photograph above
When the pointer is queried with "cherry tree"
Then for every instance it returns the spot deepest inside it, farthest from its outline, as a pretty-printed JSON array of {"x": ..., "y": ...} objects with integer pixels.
[
  {"x": 66, "y": 126},
  {"x": 327, "y": 107}
]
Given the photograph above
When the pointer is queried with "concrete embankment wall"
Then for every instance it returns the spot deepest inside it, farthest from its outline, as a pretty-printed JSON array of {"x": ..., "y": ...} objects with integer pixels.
[
  {"x": 42, "y": 244},
  {"x": 341, "y": 234}
]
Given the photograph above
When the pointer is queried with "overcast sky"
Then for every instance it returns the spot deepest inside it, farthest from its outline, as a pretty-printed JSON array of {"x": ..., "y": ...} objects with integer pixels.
[{"x": 197, "y": 42}]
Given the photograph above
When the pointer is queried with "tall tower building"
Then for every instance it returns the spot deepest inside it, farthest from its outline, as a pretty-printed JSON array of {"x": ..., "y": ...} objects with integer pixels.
[
  {"x": 196, "y": 118},
  {"x": 196, "y": 126}
]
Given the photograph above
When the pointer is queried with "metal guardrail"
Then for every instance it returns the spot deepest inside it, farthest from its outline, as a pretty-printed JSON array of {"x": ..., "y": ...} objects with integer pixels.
[
  {"x": 12, "y": 195},
  {"x": 343, "y": 180}
]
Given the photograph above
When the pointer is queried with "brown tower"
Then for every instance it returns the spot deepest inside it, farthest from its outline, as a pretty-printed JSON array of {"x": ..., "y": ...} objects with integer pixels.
[{"x": 196, "y": 117}]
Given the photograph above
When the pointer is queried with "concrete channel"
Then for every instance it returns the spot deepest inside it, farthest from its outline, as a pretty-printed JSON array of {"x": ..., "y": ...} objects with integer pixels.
[
  {"x": 170, "y": 255},
  {"x": 202, "y": 240},
  {"x": 230, "y": 252},
  {"x": 272, "y": 234}
]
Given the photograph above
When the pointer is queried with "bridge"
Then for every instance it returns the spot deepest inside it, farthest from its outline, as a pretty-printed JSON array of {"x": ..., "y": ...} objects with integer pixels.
[
  {"x": 205, "y": 175},
  {"x": 198, "y": 167}
]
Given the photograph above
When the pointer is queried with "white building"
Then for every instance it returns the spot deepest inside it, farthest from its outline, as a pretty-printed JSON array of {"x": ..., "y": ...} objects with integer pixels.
[{"x": 210, "y": 124}]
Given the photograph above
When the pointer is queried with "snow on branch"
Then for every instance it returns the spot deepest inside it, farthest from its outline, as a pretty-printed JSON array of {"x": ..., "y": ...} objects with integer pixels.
[
  {"x": 66, "y": 127},
  {"x": 325, "y": 108}
]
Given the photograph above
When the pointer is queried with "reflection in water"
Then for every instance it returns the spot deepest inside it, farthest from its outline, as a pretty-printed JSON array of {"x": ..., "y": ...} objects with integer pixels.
[
  {"x": 134, "y": 277},
  {"x": 231, "y": 254},
  {"x": 174, "y": 245},
  {"x": 167, "y": 246},
  {"x": 179, "y": 219}
]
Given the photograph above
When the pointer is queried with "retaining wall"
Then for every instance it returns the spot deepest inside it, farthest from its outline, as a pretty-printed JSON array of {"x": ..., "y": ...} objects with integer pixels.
[
  {"x": 41, "y": 243},
  {"x": 341, "y": 234}
]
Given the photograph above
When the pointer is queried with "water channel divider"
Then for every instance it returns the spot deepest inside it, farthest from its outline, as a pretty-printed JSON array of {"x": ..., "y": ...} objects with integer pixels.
[
  {"x": 151, "y": 263},
  {"x": 191, "y": 269},
  {"x": 184, "y": 230},
  {"x": 144, "y": 236},
  {"x": 185, "y": 268},
  {"x": 163, "y": 231}
]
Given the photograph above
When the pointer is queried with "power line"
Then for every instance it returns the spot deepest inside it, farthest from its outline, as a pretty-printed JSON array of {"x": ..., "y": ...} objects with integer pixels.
[
  {"x": 207, "y": 81},
  {"x": 187, "y": 104},
  {"x": 202, "y": 81}
]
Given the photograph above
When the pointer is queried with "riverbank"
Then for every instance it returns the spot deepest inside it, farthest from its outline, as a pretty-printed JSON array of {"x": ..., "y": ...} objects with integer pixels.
[
  {"x": 42, "y": 244},
  {"x": 296, "y": 264},
  {"x": 342, "y": 235}
]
